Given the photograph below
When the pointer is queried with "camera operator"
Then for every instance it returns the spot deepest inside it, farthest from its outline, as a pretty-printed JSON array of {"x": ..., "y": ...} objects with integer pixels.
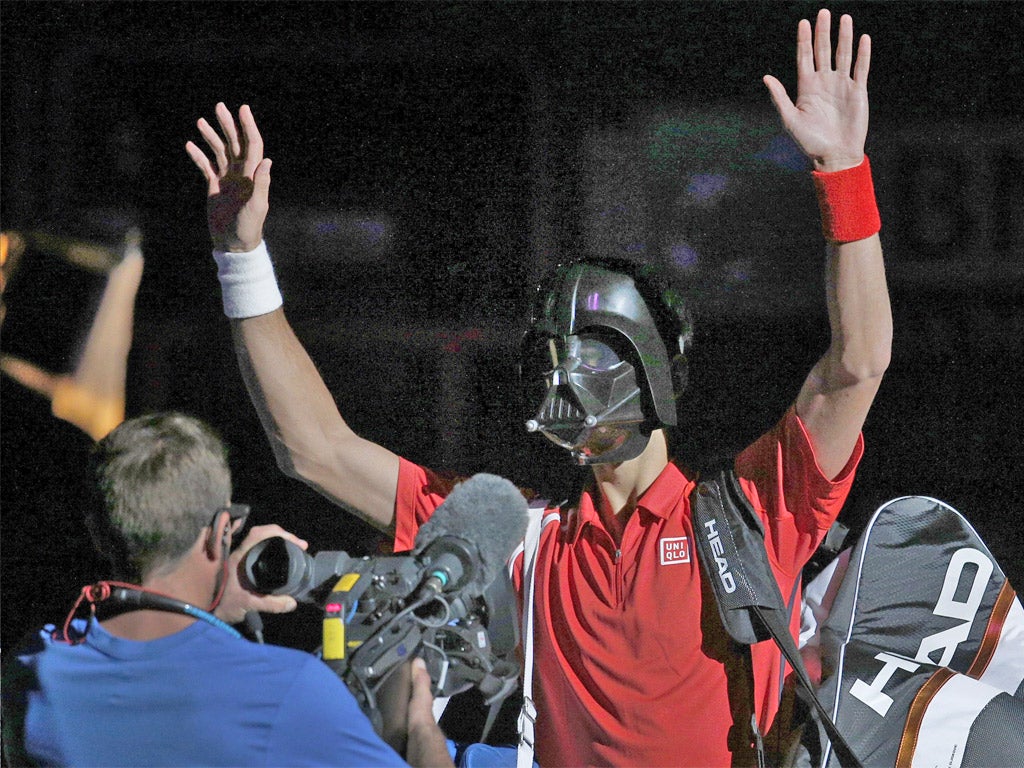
[{"x": 167, "y": 682}]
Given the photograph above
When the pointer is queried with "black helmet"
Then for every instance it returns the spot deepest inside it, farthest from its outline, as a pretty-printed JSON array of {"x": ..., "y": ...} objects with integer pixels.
[{"x": 609, "y": 339}]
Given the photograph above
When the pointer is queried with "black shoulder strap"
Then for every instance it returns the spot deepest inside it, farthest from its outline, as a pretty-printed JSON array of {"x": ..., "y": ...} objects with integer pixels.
[{"x": 730, "y": 541}]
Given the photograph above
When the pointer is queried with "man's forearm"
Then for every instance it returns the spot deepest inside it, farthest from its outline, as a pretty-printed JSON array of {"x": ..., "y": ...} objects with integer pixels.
[
  {"x": 860, "y": 315},
  {"x": 838, "y": 393},
  {"x": 309, "y": 436},
  {"x": 857, "y": 295},
  {"x": 426, "y": 748},
  {"x": 290, "y": 397}
]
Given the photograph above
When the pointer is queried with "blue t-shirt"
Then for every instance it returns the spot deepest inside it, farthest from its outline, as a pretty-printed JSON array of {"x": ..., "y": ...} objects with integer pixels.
[{"x": 197, "y": 697}]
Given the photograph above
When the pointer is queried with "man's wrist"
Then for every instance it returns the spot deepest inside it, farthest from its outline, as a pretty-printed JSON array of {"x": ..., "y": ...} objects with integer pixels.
[
  {"x": 233, "y": 245},
  {"x": 847, "y": 202},
  {"x": 836, "y": 164},
  {"x": 248, "y": 284}
]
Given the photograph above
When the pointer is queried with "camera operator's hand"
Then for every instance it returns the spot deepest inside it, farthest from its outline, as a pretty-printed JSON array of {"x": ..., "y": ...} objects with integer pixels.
[
  {"x": 426, "y": 746},
  {"x": 237, "y": 600}
]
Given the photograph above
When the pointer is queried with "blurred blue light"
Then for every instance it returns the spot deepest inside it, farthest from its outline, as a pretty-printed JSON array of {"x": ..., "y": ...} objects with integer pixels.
[{"x": 704, "y": 186}]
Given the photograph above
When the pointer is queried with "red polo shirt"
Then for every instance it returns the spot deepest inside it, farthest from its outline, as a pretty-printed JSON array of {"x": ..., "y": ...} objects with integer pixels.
[{"x": 632, "y": 666}]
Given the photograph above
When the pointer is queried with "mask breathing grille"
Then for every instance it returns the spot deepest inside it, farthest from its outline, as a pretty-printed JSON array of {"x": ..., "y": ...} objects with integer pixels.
[{"x": 560, "y": 409}]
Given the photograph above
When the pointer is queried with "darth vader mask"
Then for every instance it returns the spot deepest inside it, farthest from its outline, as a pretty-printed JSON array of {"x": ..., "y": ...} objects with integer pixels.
[{"x": 598, "y": 376}]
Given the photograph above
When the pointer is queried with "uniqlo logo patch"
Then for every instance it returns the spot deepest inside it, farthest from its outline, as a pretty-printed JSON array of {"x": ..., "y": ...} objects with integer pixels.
[{"x": 675, "y": 550}]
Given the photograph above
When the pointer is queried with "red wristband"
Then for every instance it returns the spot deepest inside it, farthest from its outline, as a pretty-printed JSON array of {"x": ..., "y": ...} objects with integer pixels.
[{"x": 847, "y": 201}]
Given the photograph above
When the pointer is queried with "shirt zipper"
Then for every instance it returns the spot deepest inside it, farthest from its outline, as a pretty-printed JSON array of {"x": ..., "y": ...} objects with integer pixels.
[{"x": 618, "y": 576}]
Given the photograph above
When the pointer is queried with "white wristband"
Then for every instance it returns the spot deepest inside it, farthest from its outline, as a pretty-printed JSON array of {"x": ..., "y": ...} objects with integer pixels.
[{"x": 247, "y": 282}]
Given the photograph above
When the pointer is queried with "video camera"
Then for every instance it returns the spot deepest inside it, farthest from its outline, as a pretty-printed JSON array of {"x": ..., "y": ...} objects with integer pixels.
[{"x": 380, "y": 612}]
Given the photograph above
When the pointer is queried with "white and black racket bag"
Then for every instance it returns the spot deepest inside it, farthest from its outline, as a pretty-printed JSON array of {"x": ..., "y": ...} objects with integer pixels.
[{"x": 921, "y": 644}]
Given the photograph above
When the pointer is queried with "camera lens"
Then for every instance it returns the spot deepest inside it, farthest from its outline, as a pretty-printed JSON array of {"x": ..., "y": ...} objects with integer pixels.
[{"x": 267, "y": 565}]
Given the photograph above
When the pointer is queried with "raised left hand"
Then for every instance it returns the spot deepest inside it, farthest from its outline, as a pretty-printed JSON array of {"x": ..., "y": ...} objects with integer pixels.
[{"x": 829, "y": 120}]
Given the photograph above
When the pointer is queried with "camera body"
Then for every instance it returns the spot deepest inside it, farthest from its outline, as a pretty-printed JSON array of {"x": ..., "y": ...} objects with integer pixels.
[{"x": 379, "y": 612}]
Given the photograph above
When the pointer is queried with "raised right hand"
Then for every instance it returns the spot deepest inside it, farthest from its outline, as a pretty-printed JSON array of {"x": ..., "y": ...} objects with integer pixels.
[{"x": 238, "y": 187}]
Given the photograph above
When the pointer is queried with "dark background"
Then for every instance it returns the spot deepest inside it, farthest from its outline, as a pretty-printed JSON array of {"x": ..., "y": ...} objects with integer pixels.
[{"x": 431, "y": 160}]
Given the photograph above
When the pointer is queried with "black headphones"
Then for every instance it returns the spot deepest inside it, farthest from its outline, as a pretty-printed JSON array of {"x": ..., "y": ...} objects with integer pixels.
[
  {"x": 141, "y": 599},
  {"x": 133, "y": 598}
]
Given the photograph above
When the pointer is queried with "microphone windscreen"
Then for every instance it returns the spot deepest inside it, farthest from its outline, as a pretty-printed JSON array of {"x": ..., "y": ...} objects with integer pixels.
[{"x": 490, "y": 514}]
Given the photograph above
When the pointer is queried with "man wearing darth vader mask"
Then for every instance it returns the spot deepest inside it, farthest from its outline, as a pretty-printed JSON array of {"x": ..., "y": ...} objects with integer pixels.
[{"x": 631, "y": 665}]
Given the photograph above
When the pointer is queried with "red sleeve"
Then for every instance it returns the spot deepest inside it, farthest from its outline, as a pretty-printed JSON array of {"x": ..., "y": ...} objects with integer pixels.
[
  {"x": 780, "y": 475},
  {"x": 420, "y": 491}
]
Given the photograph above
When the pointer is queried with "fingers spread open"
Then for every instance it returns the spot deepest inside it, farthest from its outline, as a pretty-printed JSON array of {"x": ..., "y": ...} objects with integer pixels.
[
  {"x": 860, "y": 72},
  {"x": 844, "y": 46},
  {"x": 804, "y": 50},
  {"x": 213, "y": 141},
  {"x": 261, "y": 180},
  {"x": 779, "y": 96},
  {"x": 227, "y": 124},
  {"x": 252, "y": 139},
  {"x": 823, "y": 41},
  {"x": 202, "y": 162}
]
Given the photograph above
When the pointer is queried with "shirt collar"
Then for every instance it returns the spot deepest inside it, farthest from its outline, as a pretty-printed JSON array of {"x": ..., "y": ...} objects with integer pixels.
[{"x": 660, "y": 499}]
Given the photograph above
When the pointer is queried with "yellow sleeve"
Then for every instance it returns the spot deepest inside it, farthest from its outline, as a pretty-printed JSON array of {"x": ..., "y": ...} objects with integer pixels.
[{"x": 93, "y": 414}]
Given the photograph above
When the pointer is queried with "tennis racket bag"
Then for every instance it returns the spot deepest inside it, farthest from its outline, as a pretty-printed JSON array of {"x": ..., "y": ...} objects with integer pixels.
[{"x": 922, "y": 650}]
